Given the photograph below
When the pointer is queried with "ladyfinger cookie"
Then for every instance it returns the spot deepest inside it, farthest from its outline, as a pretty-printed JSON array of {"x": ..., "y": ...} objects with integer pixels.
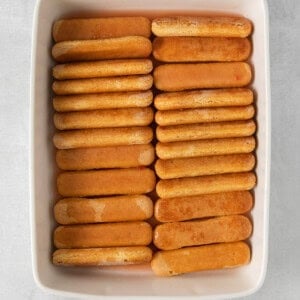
[
  {"x": 205, "y": 147},
  {"x": 103, "y": 85},
  {"x": 202, "y": 206},
  {"x": 105, "y": 157},
  {"x": 204, "y": 49},
  {"x": 194, "y": 259},
  {"x": 213, "y": 26},
  {"x": 192, "y": 132},
  {"x": 98, "y": 28},
  {"x": 97, "y": 210},
  {"x": 106, "y": 68},
  {"x": 115, "y": 256},
  {"x": 111, "y": 48},
  {"x": 204, "y": 115},
  {"x": 205, "y": 165},
  {"x": 170, "y": 236},
  {"x": 179, "y": 77},
  {"x": 191, "y": 186},
  {"x": 102, "y": 137},
  {"x": 203, "y": 98},
  {"x": 121, "y": 117},
  {"x": 102, "y": 101},
  {"x": 106, "y": 182},
  {"x": 103, "y": 235}
]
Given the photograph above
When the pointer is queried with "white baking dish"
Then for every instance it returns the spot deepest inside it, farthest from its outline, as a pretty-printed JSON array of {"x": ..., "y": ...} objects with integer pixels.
[{"x": 139, "y": 281}]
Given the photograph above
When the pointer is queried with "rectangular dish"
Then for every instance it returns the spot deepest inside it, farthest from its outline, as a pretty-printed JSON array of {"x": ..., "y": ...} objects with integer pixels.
[{"x": 140, "y": 281}]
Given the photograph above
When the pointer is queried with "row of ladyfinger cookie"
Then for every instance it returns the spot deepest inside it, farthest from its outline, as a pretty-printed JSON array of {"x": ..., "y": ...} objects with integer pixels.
[
  {"x": 186, "y": 174},
  {"x": 121, "y": 116}
]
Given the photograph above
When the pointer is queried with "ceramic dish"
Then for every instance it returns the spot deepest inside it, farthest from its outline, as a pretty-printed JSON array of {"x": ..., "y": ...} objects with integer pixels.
[{"x": 140, "y": 281}]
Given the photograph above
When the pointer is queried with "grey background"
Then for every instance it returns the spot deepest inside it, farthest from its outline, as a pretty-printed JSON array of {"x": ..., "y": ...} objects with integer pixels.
[{"x": 283, "y": 275}]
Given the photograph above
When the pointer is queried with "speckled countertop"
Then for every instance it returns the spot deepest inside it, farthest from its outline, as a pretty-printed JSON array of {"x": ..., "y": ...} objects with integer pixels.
[{"x": 283, "y": 275}]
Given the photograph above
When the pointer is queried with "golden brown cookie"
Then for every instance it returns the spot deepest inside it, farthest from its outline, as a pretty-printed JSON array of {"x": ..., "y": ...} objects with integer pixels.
[
  {"x": 98, "y": 28},
  {"x": 105, "y": 157},
  {"x": 170, "y": 236},
  {"x": 98, "y": 210},
  {"x": 103, "y": 235},
  {"x": 102, "y": 101},
  {"x": 204, "y": 165},
  {"x": 194, "y": 259},
  {"x": 177, "y": 133},
  {"x": 191, "y": 186},
  {"x": 115, "y": 256},
  {"x": 180, "y": 77},
  {"x": 106, "y": 68},
  {"x": 201, "y": 49},
  {"x": 211, "y": 26},
  {"x": 205, "y": 147},
  {"x": 203, "y": 98},
  {"x": 102, "y": 137},
  {"x": 106, "y": 182},
  {"x": 202, "y": 206},
  {"x": 204, "y": 115},
  {"x": 104, "y": 118},
  {"x": 110, "y": 48},
  {"x": 103, "y": 85}
]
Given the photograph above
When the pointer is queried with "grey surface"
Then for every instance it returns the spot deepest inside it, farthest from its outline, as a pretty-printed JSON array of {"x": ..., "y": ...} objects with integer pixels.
[{"x": 283, "y": 275}]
